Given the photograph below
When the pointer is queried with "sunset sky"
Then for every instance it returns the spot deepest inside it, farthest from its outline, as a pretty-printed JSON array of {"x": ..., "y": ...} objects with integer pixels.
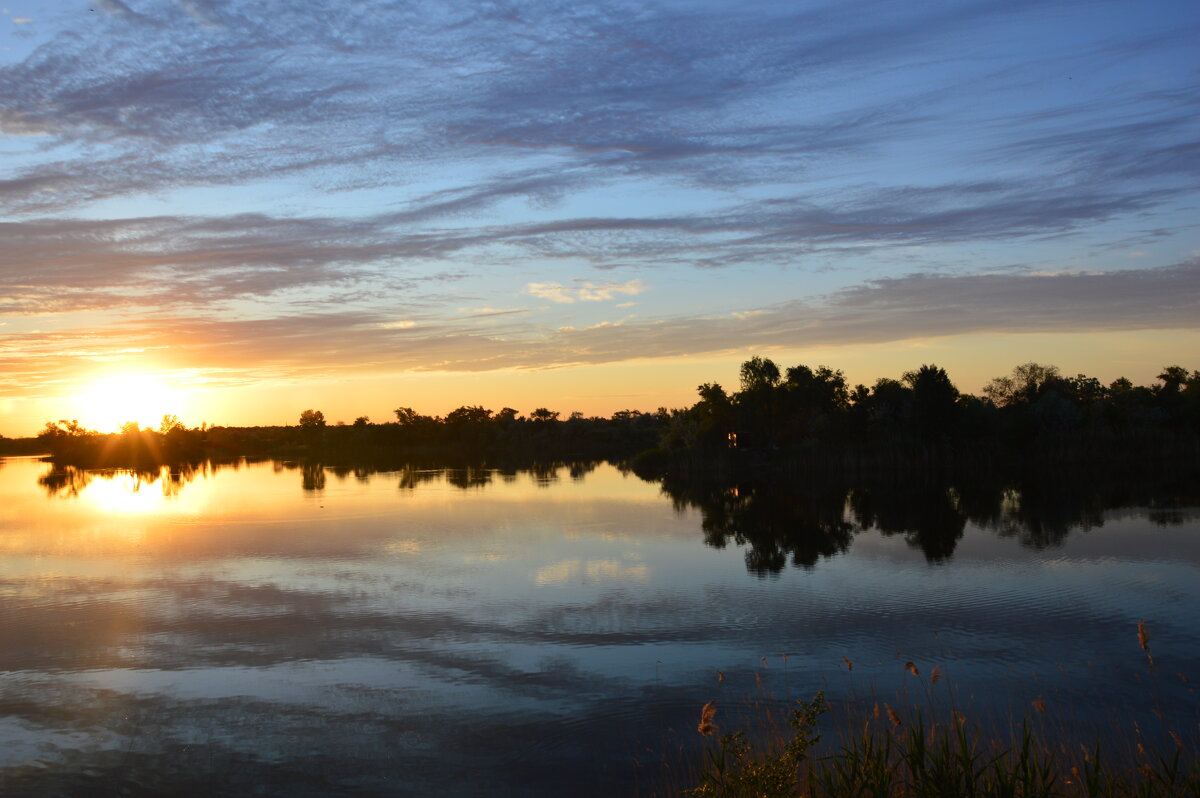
[{"x": 234, "y": 211}]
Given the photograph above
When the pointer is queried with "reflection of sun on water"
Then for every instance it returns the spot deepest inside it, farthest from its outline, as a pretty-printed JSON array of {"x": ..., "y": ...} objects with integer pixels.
[
  {"x": 125, "y": 493},
  {"x": 113, "y": 400}
]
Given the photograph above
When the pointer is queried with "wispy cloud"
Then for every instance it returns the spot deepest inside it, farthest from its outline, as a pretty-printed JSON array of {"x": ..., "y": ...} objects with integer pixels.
[
  {"x": 891, "y": 309},
  {"x": 584, "y": 291}
]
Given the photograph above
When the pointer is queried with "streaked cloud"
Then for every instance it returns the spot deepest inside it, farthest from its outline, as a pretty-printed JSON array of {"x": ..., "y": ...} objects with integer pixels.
[
  {"x": 584, "y": 291},
  {"x": 891, "y": 309}
]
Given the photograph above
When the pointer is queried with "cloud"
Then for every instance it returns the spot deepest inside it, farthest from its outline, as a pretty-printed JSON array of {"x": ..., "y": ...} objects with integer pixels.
[
  {"x": 564, "y": 95},
  {"x": 584, "y": 291},
  {"x": 486, "y": 312},
  {"x": 234, "y": 351},
  {"x": 118, "y": 8}
]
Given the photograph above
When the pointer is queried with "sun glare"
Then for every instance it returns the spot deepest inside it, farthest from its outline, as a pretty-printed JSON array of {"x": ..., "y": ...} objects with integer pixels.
[
  {"x": 113, "y": 400},
  {"x": 125, "y": 493}
]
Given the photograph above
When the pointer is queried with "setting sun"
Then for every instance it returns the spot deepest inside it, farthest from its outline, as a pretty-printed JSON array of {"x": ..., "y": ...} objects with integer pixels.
[{"x": 112, "y": 400}]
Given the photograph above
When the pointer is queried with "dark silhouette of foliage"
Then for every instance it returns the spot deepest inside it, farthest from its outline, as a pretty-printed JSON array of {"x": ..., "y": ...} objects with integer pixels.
[
  {"x": 934, "y": 401},
  {"x": 312, "y": 419},
  {"x": 801, "y": 412}
]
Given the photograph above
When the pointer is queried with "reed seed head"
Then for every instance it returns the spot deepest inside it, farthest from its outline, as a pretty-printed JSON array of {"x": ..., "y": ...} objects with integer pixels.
[{"x": 707, "y": 712}]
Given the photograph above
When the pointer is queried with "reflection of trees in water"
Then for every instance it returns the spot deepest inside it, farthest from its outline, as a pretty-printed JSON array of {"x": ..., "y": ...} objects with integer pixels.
[
  {"x": 804, "y": 519},
  {"x": 470, "y": 477},
  {"x": 927, "y": 515},
  {"x": 1041, "y": 515},
  {"x": 411, "y": 477},
  {"x": 313, "y": 474},
  {"x": 803, "y": 523},
  {"x": 312, "y": 477},
  {"x": 69, "y": 481},
  {"x": 544, "y": 474}
]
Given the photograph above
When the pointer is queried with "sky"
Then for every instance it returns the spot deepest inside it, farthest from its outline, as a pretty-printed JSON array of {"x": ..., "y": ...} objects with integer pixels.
[{"x": 236, "y": 210}]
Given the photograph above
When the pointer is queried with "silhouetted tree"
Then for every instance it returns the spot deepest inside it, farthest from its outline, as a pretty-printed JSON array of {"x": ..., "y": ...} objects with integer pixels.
[
  {"x": 1025, "y": 384},
  {"x": 756, "y": 401},
  {"x": 714, "y": 416},
  {"x": 1173, "y": 379},
  {"x": 468, "y": 414},
  {"x": 169, "y": 424},
  {"x": 759, "y": 373},
  {"x": 312, "y": 419},
  {"x": 812, "y": 402},
  {"x": 934, "y": 401}
]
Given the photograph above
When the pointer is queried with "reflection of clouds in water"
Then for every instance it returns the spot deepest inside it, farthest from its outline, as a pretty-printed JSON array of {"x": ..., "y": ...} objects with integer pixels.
[
  {"x": 488, "y": 557},
  {"x": 590, "y": 571},
  {"x": 611, "y": 570},
  {"x": 557, "y": 573},
  {"x": 283, "y": 640},
  {"x": 403, "y": 547}
]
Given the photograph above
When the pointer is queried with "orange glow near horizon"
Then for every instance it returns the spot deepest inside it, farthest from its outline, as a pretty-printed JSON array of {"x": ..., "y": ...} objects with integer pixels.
[{"x": 145, "y": 396}]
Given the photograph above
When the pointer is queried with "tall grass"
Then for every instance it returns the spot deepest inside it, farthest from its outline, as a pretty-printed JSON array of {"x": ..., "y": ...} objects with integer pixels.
[
  {"x": 927, "y": 752},
  {"x": 894, "y": 758}
]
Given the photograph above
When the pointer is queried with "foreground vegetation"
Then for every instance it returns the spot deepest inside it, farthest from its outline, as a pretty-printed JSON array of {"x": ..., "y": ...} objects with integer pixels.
[
  {"x": 894, "y": 758},
  {"x": 883, "y": 753},
  {"x": 776, "y": 414}
]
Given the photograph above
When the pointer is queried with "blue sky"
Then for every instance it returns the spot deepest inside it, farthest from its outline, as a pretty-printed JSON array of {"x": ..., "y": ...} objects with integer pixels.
[{"x": 256, "y": 192}]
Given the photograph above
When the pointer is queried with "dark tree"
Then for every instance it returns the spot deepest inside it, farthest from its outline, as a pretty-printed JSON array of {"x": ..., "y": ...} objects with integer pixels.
[
  {"x": 759, "y": 373},
  {"x": 468, "y": 414},
  {"x": 934, "y": 401},
  {"x": 312, "y": 419}
]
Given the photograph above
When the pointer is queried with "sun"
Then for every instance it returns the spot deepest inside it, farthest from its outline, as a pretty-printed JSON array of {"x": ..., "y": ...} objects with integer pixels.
[{"x": 114, "y": 399}]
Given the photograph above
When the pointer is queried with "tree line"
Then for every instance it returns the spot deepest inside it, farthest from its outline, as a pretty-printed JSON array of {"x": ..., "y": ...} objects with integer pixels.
[
  {"x": 790, "y": 411},
  {"x": 1035, "y": 404}
]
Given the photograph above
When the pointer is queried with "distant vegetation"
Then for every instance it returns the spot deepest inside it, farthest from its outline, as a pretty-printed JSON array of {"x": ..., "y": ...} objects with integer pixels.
[
  {"x": 776, "y": 414},
  {"x": 792, "y": 410}
]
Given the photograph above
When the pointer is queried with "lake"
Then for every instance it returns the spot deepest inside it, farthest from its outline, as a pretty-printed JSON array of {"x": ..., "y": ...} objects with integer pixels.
[{"x": 285, "y": 629}]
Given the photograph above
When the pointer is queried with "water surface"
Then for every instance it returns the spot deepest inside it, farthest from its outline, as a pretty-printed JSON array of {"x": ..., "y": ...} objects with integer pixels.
[{"x": 277, "y": 628}]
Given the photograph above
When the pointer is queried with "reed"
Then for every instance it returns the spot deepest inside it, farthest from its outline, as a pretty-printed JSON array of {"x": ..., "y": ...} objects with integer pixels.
[
  {"x": 894, "y": 757},
  {"x": 882, "y": 751}
]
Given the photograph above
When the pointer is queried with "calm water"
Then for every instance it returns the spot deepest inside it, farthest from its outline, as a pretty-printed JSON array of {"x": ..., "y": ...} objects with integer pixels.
[{"x": 276, "y": 629}]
